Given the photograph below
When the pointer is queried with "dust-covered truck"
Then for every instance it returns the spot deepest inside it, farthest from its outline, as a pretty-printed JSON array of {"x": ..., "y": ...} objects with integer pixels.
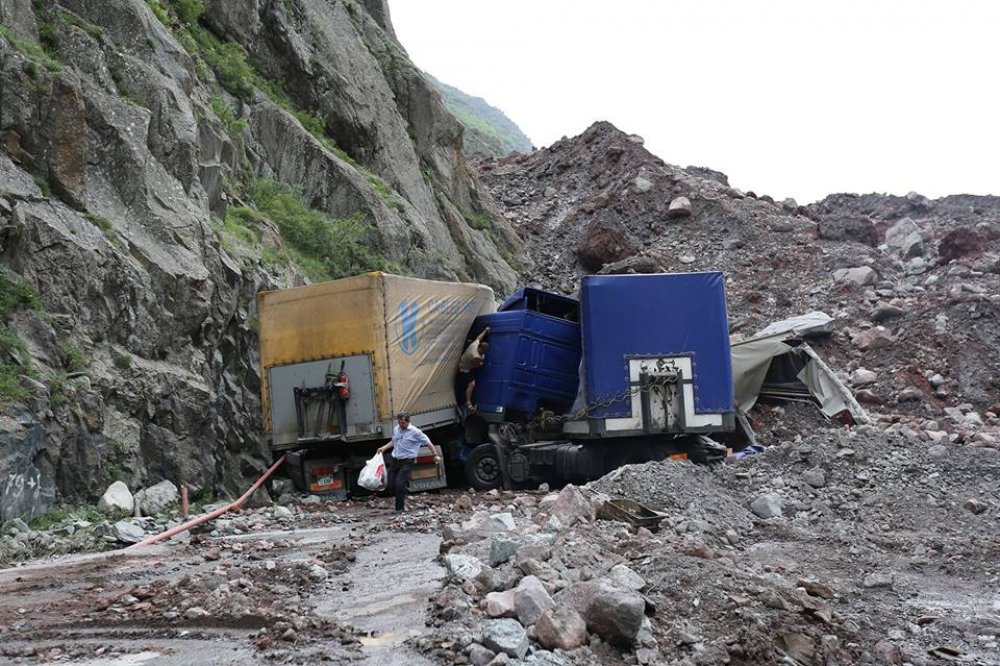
[
  {"x": 637, "y": 368},
  {"x": 340, "y": 359}
]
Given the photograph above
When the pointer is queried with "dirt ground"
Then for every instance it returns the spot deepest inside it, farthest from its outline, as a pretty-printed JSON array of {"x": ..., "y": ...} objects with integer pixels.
[
  {"x": 881, "y": 552},
  {"x": 346, "y": 583}
]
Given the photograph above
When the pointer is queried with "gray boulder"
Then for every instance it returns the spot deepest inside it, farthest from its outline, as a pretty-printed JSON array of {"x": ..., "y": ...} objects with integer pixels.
[
  {"x": 128, "y": 532},
  {"x": 117, "y": 499},
  {"x": 531, "y": 599},
  {"x": 500, "y": 604},
  {"x": 480, "y": 526},
  {"x": 461, "y": 568},
  {"x": 507, "y": 636},
  {"x": 623, "y": 577},
  {"x": 613, "y": 614},
  {"x": 767, "y": 506},
  {"x": 502, "y": 548},
  {"x": 157, "y": 499},
  {"x": 861, "y": 276},
  {"x": 679, "y": 207},
  {"x": 873, "y": 338},
  {"x": 480, "y": 655},
  {"x": 814, "y": 477},
  {"x": 571, "y": 506},
  {"x": 905, "y": 237}
]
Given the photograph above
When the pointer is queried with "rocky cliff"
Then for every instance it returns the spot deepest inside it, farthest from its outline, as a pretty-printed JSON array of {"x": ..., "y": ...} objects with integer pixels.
[{"x": 161, "y": 163}]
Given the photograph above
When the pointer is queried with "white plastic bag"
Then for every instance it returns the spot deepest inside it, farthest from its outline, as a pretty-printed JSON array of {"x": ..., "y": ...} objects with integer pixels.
[{"x": 372, "y": 477}]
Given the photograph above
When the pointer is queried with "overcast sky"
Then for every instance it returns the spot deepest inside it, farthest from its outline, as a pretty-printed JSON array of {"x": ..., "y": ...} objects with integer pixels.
[{"x": 788, "y": 97}]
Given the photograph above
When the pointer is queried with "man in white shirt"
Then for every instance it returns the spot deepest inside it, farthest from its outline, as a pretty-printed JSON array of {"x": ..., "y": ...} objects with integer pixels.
[{"x": 405, "y": 444}]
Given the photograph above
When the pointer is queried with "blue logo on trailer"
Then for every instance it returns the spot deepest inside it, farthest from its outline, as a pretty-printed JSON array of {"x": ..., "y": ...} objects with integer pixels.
[{"x": 406, "y": 327}]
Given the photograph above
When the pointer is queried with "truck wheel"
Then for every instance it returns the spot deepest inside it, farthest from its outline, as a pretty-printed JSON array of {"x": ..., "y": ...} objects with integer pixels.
[{"x": 482, "y": 469}]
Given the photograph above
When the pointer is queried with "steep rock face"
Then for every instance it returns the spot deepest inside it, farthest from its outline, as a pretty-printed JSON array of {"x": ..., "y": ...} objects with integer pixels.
[
  {"x": 340, "y": 62},
  {"x": 119, "y": 147},
  {"x": 600, "y": 202}
]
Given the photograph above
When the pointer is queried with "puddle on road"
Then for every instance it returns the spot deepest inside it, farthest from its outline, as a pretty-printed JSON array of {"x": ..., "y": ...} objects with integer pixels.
[
  {"x": 390, "y": 583},
  {"x": 125, "y": 660}
]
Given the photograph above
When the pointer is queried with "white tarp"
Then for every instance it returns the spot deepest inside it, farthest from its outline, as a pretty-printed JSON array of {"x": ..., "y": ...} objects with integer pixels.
[
  {"x": 752, "y": 360},
  {"x": 809, "y": 324}
]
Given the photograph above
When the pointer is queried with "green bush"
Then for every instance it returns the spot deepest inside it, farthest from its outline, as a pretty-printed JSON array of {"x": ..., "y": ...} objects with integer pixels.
[
  {"x": 91, "y": 29},
  {"x": 75, "y": 361},
  {"x": 161, "y": 13},
  {"x": 324, "y": 247},
  {"x": 123, "y": 361},
  {"x": 232, "y": 123},
  {"x": 32, "y": 50},
  {"x": 189, "y": 10},
  {"x": 479, "y": 221},
  {"x": 228, "y": 61},
  {"x": 11, "y": 371},
  {"x": 15, "y": 293},
  {"x": 44, "y": 185}
]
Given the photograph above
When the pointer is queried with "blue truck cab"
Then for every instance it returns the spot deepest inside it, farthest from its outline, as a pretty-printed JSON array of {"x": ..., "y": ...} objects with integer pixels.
[
  {"x": 638, "y": 368},
  {"x": 534, "y": 356}
]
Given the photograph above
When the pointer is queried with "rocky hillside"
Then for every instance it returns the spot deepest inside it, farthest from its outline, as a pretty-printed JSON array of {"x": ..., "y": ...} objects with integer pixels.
[
  {"x": 162, "y": 162},
  {"x": 488, "y": 130},
  {"x": 913, "y": 284}
]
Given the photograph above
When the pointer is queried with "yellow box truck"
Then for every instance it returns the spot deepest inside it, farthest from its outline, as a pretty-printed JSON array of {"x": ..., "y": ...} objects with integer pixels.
[{"x": 339, "y": 359}]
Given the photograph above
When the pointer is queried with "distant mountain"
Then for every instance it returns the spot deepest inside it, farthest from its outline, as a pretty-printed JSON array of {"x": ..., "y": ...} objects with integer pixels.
[{"x": 488, "y": 131}]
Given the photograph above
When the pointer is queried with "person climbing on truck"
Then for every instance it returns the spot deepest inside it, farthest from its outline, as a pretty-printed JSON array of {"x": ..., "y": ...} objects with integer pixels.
[
  {"x": 465, "y": 380},
  {"x": 407, "y": 439}
]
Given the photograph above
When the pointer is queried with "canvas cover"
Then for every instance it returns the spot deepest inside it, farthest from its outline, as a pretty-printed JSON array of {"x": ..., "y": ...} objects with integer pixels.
[
  {"x": 426, "y": 323},
  {"x": 412, "y": 328},
  {"x": 752, "y": 360}
]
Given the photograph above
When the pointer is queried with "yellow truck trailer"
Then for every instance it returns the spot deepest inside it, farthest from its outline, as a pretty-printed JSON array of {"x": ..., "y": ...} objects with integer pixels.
[{"x": 339, "y": 359}]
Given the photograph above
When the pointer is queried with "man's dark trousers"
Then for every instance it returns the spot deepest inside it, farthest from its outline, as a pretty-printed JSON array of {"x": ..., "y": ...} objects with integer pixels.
[{"x": 399, "y": 478}]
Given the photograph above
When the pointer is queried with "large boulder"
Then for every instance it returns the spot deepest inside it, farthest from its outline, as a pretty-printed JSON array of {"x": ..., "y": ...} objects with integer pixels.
[
  {"x": 506, "y": 636},
  {"x": 561, "y": 627},
  {"x": 461, "y": 568},
  {"x": 613, "y": 614},
  {"x": 28, "y": 488},
  {"x": 767, "y": 506},
  {"x": 604, "y": 243},
  {"x": 531, "y": 599},
  {"x": 905, "y": 237},
  {"x": 157, "y": 499},
  {"x": 861, "y": 276},
  {"x": 571, "y": 506},
  {"x": 500, "y": 604},
  {"x": 128, "y": 532},
  {"x": 117, "y": 499},
  {"x": 679, "y": 207},
  {"x": 480, "y": 526}
]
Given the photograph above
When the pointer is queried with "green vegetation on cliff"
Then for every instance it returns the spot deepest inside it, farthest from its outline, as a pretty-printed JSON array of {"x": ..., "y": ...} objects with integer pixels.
[
  {"x": 323, "y": 247},
  {"x": 488, "y": 131}
]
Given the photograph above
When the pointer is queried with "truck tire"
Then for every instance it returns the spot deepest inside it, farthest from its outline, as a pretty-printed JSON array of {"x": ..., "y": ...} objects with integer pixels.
[{"x": 482, "y": 469}]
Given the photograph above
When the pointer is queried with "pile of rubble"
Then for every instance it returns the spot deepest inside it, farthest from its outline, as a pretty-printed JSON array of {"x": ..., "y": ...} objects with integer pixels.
[
  {"x": 856, "y": 547},
  {"x": 912, "y": 285}
]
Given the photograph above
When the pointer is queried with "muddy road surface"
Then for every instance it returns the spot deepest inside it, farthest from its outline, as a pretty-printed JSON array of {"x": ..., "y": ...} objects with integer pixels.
[{"x": 339, "y": 583}]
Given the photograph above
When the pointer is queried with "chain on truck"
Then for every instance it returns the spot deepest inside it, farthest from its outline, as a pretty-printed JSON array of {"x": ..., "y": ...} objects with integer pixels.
[{"x": 637, "y": 369}]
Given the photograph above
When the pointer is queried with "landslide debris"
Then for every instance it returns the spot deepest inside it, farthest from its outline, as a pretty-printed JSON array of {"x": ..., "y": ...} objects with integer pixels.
[{"x": 913, "y": 284}]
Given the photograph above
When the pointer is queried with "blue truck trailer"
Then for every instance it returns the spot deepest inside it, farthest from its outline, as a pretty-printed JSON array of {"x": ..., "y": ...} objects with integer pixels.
[{"x": 637, "y": 369}]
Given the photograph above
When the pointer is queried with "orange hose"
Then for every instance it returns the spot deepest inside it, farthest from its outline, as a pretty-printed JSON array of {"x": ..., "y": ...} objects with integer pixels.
[{"x": 212, "y": 514}]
